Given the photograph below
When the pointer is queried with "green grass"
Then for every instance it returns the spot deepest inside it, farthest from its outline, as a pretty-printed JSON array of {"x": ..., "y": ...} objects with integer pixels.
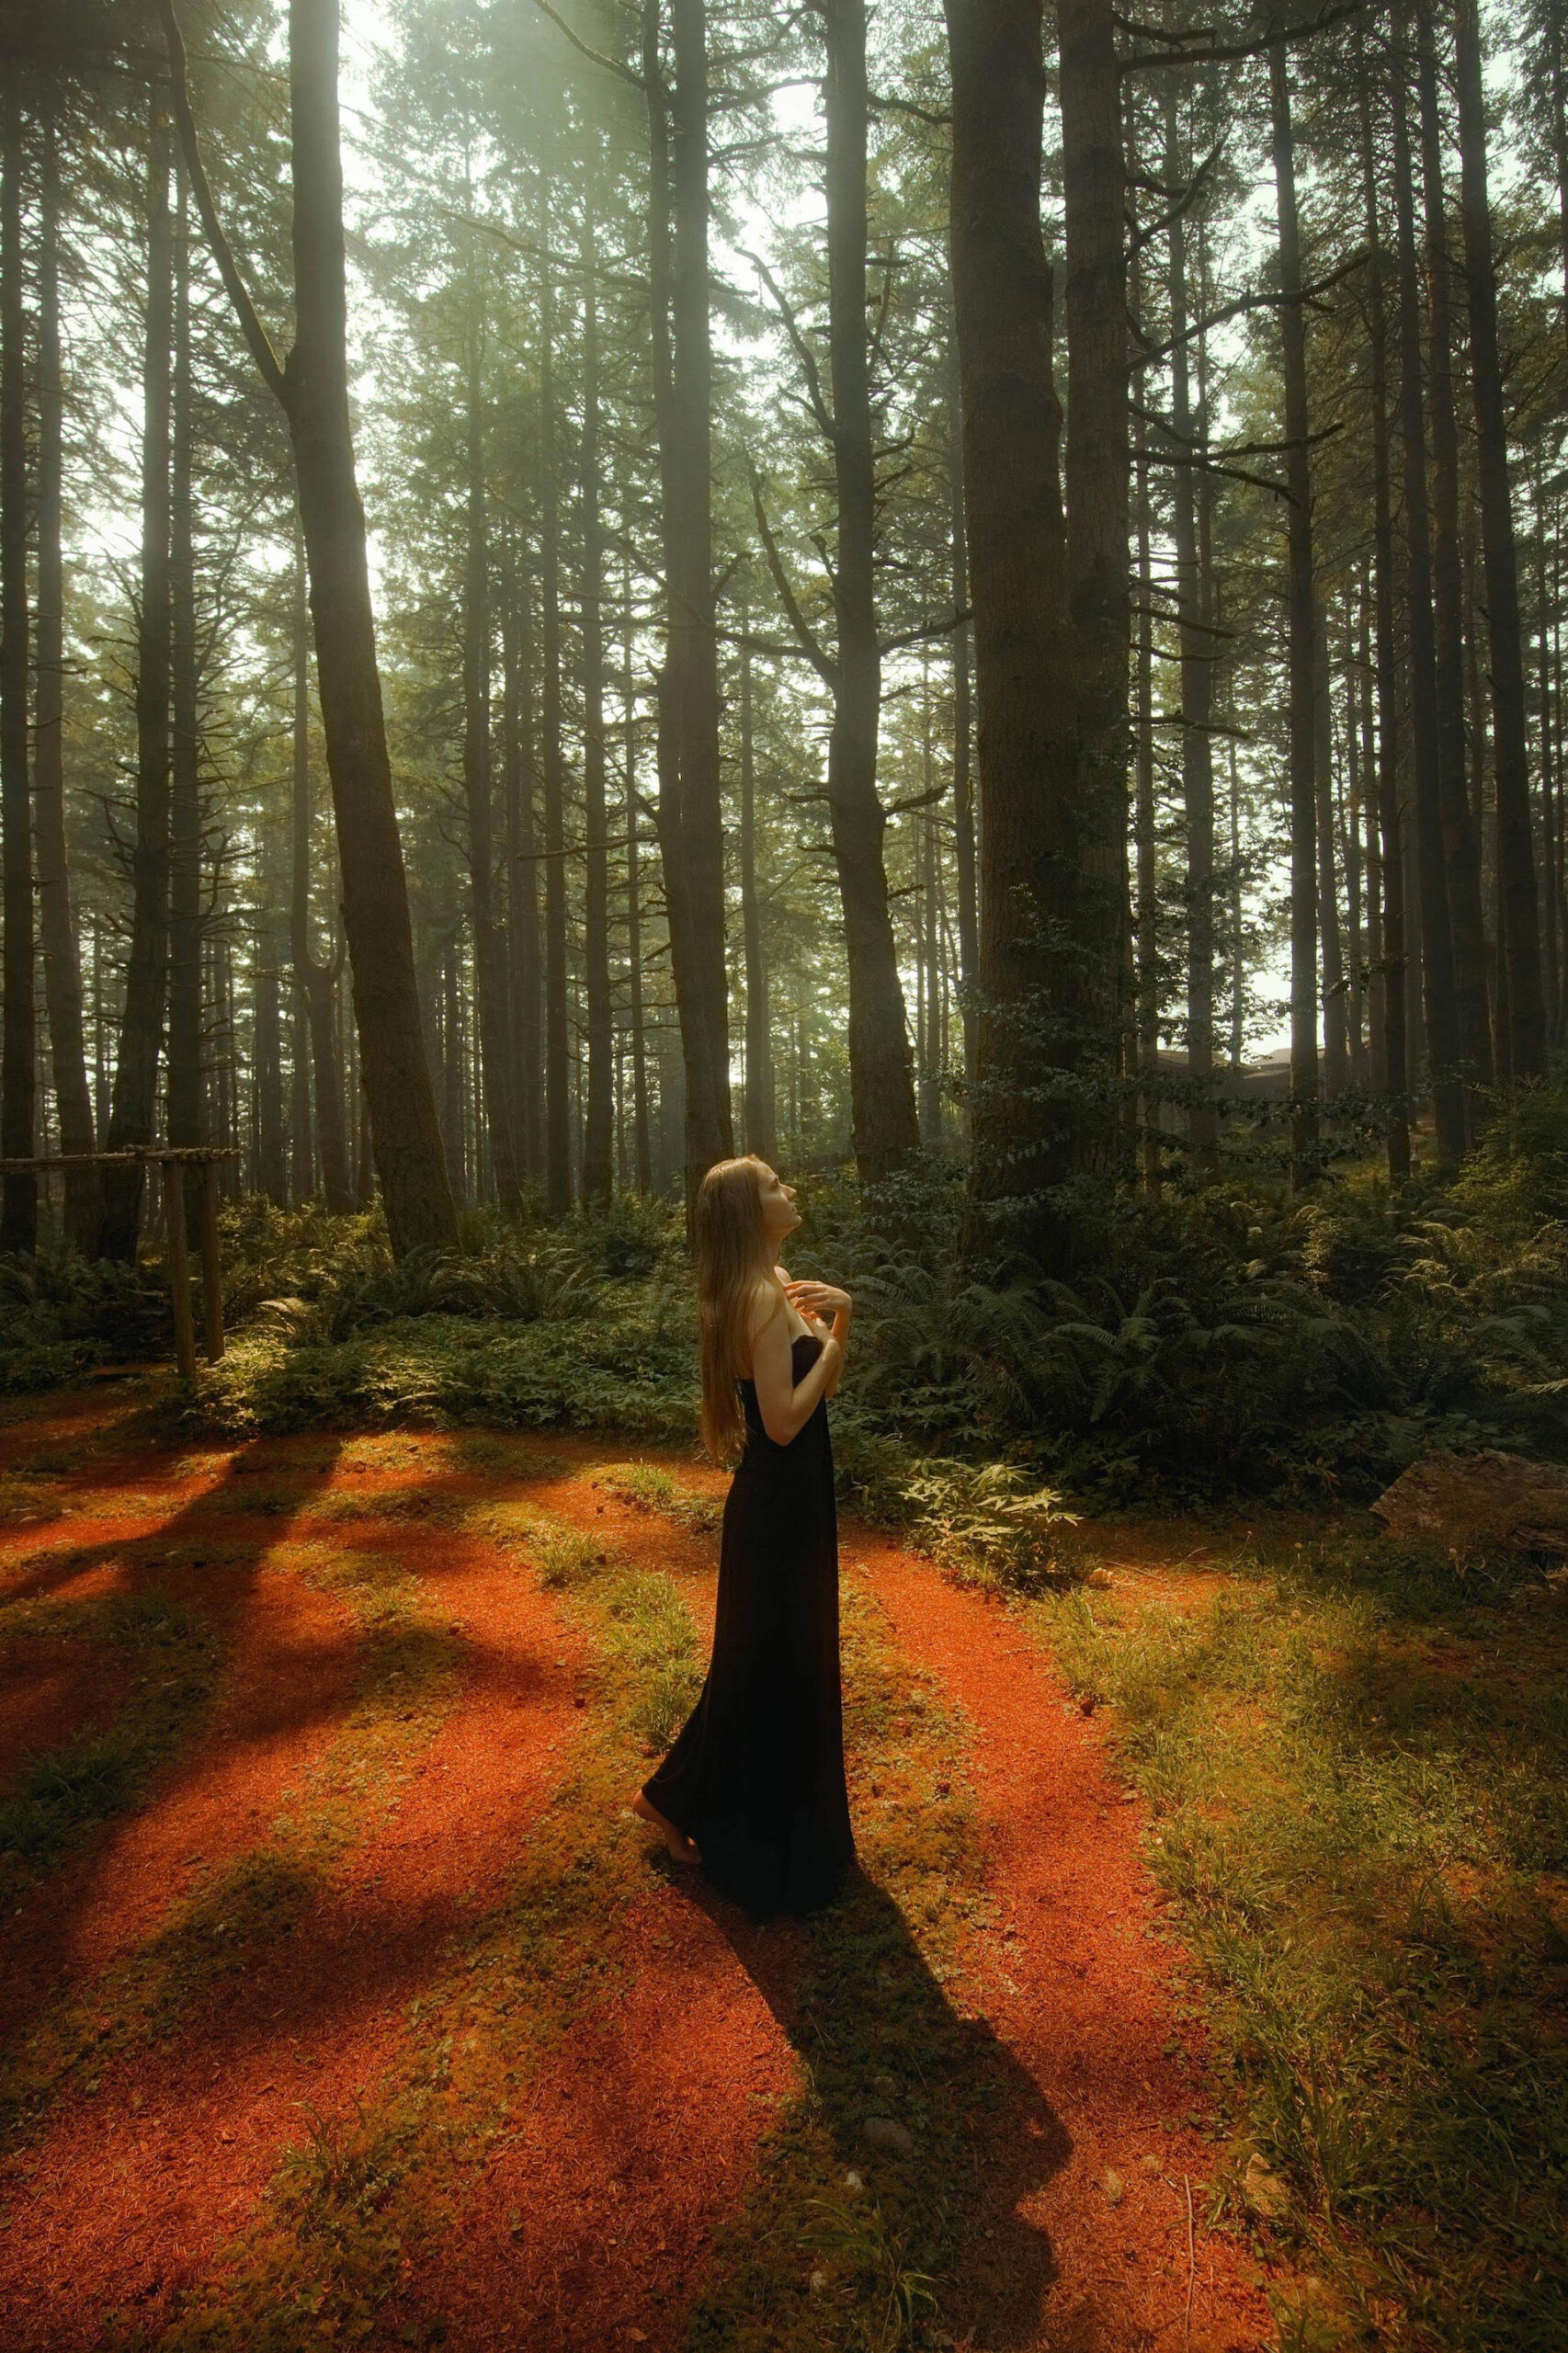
[
  {"x": 647, "y": 1487},
  {"x": 1357, "y": 1766},
  {"x": 173, "y": 1655}
]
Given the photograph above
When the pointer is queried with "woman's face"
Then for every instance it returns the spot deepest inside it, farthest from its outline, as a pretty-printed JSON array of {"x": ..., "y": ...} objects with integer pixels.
[{"x": 779, "y": 1215}]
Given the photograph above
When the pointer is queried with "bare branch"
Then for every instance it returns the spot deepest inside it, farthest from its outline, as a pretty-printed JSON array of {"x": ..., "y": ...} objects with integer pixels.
[
  {"x": 1223, "y": 53},
  {"x": 256, "y": 337},
  {"x": 1262, "y": 302},
  {"x": 803, "y": 351},
  {"x": 942, "y": 627},
  {"x": 810, "y": 645},
  {"x": 594, "y": 56}
]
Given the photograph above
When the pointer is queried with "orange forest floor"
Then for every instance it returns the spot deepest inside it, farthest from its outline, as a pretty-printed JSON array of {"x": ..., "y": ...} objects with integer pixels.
[{"x": 362, "y": 2014}]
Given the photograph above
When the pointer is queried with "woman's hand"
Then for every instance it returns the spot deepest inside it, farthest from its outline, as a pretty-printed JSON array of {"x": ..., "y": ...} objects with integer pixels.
[{"x": 816, "y": 1299}]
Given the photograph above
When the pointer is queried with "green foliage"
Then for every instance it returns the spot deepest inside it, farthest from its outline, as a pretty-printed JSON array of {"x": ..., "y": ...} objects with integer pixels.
[
  {"x": 1233, "y": 1340},
  {"x": 64, "y": 1314},
  {"x": 989, "y": 1524}
]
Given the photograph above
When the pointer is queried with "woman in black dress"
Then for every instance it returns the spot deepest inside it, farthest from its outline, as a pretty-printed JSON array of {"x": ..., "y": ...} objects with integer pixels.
[{"x": 753, "y": 1789}]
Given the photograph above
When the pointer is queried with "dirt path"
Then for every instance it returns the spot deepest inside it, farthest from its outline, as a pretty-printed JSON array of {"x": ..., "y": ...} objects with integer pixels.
[{"x": 589, "y": 2220}]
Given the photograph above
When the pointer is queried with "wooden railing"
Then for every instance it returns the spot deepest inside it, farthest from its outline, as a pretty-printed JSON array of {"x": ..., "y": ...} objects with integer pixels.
[{"x": 174, "y": 1159}]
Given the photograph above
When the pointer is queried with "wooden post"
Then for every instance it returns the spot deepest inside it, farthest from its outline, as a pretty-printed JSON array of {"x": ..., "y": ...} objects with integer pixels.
[
  {"x": 179, "y": 1267},
  {"x": 211, "y": 1285}
]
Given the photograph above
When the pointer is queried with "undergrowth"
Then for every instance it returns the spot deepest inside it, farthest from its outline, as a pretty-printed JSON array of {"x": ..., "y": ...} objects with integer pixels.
[{"x": 1356, "y": 1762}]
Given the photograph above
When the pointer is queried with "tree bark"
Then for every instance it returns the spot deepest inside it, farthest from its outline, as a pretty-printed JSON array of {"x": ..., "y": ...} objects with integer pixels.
[
  {"x": 1099, "y": 468},
  {"x": 968, "y": 913},
  {"x": 57, "y": 920},
  {"x": 1146, "y": 943},
  {"x": 19, "y": 1205},
  {"x": 1520, "y": 941},
  {"x": 1393, "y": 1041},
  {"x": 489, "y": 948},
  {"x": 1462, "y": 852},
  {"x": 689, "y": 816},
  {"x": 557, "y": 1042},
  {"x": 641, "y": 1142},
  {"x": 598, "y": 1133},
  {"x": 1336, "y": 1041},
  {"x": 881, "y": 1088},
  {"x": 184, "y": 1118},
  {"x": 142, "y": 1018},
  {"x": 758, "y": 1098},
  {"x": 525, "y": 960},
  {"x": 316, "y": 983},
  {"x": 1196, "y": 650},
  {"x": 313, "y": 389},
  {"x": 1028, "y": 1122},
  {"x": 409, "y": 1162},
  {"x": 1437, "y": 938},
  {"x": 1303, "y": 777}
]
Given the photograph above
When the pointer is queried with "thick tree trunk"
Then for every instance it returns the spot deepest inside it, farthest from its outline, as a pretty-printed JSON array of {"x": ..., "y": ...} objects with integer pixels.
[
  {"x": 758, "y": 1099},
  {"x": 1461, "y": 851},
  {"x": 689, "y": 819},
  {"x": 489, "y": 948},
  {"x": 316, "y": 983},
  {"x": 313, "y": 388},
  {"x": 57, "y": 922},
  {"x": 1443, "y": 1045},
  {"x": 1146, "y": 942},
  {"x": 1303, "y": 777},
  {"x": 642, "y": 1141},
  {"x": 1196, "y": 648},
  {"x": 184, "y": 1114},
  {"x": 1029, "y": 1126},
  {"x": 266, "y": 1035},
  {"x": 142, "y": 1018},
  {"x": 409, "y": 1161},
  {"x": 1094, "y": 184},
  {"x": 1551, "y": 762},
  {"x": 18, "y": 1078},
  {"x": 881, "y": 1088},
  {"x": 598, "y": 1133},
  {"x": 1336, "y": 1038},
  {"x": 694, "y": 634},
  {"x": 525, "y": 960},
  {"x": 1520, "y": 941},
  {"x": 1376, "y": 951},
  {"x": 557, "y": 1039},
  {"x": 968, "y": 913},
  {"x": 1350, "y": 851},
  {"x": 1391, "y": 967}
]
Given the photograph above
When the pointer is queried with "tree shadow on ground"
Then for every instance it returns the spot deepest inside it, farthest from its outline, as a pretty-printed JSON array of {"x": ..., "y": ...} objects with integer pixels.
[
  {"x": 206, "y": 1558},
  {"x": 879, "y": 2037}
]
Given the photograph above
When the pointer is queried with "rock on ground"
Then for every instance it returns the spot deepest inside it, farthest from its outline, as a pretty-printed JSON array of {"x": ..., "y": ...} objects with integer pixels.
[{"x": 1475, "y": 1503}]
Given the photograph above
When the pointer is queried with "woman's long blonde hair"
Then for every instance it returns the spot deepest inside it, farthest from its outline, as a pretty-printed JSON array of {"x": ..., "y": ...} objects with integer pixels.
[{"x": 731, "y": 1258}]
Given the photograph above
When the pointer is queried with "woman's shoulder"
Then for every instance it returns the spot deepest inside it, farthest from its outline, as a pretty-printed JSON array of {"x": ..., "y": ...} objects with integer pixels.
[{"x": 764, "y": 1302}]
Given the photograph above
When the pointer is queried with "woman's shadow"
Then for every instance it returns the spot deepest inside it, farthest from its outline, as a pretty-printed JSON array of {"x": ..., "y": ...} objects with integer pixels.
[{"x": 881, "y": 2046}]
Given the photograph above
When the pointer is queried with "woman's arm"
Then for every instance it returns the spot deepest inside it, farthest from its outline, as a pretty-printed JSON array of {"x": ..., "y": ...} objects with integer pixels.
[
  {"x": 786, "y": 1408},
  {"x": 815, "y": 1300}
]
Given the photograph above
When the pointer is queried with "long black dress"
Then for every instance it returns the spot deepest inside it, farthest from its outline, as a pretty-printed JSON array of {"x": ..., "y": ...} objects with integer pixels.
[{"x": 757, "y": 1774}]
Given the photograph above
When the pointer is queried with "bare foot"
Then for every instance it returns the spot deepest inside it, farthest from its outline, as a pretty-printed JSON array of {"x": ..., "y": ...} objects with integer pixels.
[{"x": 681, "y": 1849}]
